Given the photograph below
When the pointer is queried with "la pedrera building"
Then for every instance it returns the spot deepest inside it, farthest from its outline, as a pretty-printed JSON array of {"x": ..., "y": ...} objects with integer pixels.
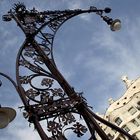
[{"x": 125, "y": 112}]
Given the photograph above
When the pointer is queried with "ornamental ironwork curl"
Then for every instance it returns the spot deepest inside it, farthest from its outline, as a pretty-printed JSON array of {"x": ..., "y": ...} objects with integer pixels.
[{"x": 45, "y": 96}]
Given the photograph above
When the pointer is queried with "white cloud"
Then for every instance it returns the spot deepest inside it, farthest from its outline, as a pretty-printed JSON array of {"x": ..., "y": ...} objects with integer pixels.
[{"x": 74, "y": 4}]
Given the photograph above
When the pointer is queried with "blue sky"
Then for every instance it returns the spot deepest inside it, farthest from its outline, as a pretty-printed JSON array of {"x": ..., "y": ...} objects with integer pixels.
[{"x": 90, "y": 56}]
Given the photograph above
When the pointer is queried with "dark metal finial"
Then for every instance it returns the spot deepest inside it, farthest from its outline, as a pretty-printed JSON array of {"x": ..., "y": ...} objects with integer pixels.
[
  {"x": 107, "y": 10},
  {"x": 19, "y": 7}
]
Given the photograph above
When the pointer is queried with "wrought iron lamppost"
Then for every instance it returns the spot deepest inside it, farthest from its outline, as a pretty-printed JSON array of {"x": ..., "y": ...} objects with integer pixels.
[{"x": 52, "y": 98}]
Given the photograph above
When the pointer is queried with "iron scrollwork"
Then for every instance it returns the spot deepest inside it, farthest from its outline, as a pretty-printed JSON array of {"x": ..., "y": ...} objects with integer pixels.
[{"x": 45, "y": 96}]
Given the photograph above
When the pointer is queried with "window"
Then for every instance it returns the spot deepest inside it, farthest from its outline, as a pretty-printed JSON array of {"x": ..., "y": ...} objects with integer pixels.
[
  {"x": 122, "y": 137},
  {"x": 115, "y": 131},
  {"x": 110, "y": 136},
  {"x": 118, "y": 121},
  {"x": 138, "y": 102},
  {"x": 132, "y": 110},
  {"x": 135, "y": 122},
  {"x": 118, "y": 139},
  {"x": 138, "y": 105},
  {"x": 135, "y": 137},
  {"x": 125, "y": 128}
]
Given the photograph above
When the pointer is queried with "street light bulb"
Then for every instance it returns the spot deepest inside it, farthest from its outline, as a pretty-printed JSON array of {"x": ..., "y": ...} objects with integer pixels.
[
  {"x": 6, "y": 116},
  {"x": 116, "y": 25}
]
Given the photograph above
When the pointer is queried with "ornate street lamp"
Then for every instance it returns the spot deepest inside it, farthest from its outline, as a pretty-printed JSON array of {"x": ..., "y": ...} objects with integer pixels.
[{"x": 45, "y": 93}]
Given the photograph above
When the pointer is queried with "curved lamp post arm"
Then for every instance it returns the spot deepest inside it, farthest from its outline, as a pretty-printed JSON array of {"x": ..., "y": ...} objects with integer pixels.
[
  {"x": 67, "y": 14},
  {"x": 10, "y": 79},
  {"x": 57, "y": 18},
  {"x": 20, "y": 93}
]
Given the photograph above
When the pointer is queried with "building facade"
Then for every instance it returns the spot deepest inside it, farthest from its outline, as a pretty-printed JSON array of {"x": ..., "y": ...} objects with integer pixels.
[{"x": 125, "y": 112}]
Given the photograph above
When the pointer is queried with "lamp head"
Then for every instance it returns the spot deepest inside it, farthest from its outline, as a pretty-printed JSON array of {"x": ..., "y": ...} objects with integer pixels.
[
  {"x": 115, "y": 25},
  {"x": 6, "y": 116}
]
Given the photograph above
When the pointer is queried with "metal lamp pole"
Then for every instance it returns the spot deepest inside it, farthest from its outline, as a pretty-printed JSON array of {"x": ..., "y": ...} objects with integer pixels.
[{"x": 44, "y": 91}]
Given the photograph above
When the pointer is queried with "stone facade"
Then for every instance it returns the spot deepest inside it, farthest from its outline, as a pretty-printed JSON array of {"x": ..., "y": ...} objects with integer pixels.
[{"x": 125, "y": 112}]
